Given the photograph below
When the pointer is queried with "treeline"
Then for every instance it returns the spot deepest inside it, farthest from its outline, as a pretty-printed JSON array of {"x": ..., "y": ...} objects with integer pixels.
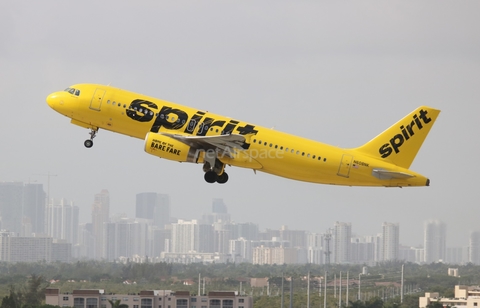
[{"x": 113, "y": 277}]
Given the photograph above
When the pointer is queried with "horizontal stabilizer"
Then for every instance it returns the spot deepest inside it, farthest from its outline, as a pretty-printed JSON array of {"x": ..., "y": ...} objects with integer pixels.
[{"x": 388, "y": 175}]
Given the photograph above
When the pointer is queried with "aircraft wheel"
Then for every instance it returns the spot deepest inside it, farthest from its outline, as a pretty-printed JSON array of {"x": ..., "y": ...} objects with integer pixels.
[
  {"x": 223, "y": 178},
  {"x": 210, "y": 177},
  {"x": 88, "y": 143}
]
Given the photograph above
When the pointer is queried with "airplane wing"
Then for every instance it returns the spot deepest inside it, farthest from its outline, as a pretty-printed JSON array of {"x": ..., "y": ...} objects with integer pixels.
[
  {"x": 383, "y": 174},
  {"x": 225, "y": 143}
]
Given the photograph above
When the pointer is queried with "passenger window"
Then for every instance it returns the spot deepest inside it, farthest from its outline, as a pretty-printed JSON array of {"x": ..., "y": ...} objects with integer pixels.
[
  {"x": 108, "y": 102},
  {"x": 324, "y": 159},
  {"x": 286, "y": 149},
  {"x": 298, "y": 152},
  {"x": 313, "y": 156},
  {"x": 303, "y": 153},
  {"x": 191, "y": 125}
]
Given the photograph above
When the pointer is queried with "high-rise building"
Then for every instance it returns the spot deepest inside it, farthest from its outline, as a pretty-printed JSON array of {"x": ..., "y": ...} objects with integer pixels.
[
  {"x": 342, "y": 234},
  {"x": 362, "y": 250},
  {"x": 153, "y": 206},
  {"x": 22, "y": 208},
  {"x": 297, "y": 238},
  {"x": 219, "y": 213},
  {"x": 241, "y": 250},
  {"x": 390, "y": 241},
  {"x": 435, "y": 239},
  {"x": 62, "y": 220},
  {"x": 183, "y": 236},
  {"x": 34, "y": 207},
  {"x": 192, "y": 236},
  {"x": 474, "y": 256},
  {"x": 11, "y": 206},
  {"x": 219, "y": 207},
  {"x": 100, "y": 216}
]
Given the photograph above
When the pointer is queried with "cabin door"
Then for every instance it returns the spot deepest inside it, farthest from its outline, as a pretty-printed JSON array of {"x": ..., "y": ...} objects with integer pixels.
[
  {"x": 345, "y": 165},
  {"x": 97, "y": 99}
]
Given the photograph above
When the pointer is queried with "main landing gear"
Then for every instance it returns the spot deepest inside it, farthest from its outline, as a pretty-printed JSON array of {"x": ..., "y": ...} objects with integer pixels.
[
  {"x": 216, "y": 173},
  {"x": 89, "y": 142}
]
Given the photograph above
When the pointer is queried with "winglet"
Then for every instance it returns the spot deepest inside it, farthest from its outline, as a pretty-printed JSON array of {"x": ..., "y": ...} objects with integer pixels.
[{"x": 400, "y": 143}]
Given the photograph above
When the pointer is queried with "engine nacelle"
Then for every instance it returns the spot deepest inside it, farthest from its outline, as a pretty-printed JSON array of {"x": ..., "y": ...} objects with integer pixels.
[{"x": 169, "y": 148}]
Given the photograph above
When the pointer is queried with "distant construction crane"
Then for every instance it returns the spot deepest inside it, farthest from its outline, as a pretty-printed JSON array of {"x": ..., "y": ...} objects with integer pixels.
[{"x": 328, "y": 237}]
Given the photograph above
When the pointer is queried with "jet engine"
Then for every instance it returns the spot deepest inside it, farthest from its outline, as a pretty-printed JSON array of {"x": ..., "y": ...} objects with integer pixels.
[{"x": 170, "y": 148}]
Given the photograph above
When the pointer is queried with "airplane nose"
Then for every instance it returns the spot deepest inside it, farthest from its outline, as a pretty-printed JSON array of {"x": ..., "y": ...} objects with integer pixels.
[{"x": 54, "y": 99}]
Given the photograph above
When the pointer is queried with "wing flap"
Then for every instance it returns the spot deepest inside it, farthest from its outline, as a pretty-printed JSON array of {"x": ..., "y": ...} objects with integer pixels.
[{"x": 225, "y": 143}]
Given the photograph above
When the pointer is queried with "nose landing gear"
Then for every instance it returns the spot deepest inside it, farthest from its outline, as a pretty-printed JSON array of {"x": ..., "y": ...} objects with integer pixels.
[{"x": 89, "y": 142}]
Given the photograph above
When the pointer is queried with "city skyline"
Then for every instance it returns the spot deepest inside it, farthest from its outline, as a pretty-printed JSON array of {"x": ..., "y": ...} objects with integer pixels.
[
  {"x": 163, "y": 200},
  {"x": 153, "y": 233}
]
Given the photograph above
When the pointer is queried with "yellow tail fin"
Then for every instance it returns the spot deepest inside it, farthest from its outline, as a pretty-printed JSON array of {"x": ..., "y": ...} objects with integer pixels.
[{"x": 400, "y": 143}]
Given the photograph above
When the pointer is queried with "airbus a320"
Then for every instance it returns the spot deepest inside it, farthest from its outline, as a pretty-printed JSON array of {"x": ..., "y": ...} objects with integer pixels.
[{"x": 184, "y": 134}]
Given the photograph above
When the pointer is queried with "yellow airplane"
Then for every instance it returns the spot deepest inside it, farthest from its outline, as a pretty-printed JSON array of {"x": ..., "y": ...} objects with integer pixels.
[{"x": 185, "y": 134}]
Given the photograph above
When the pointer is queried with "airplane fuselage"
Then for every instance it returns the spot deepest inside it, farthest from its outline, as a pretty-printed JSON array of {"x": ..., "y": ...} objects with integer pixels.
[{"x": 104, "y": 107}]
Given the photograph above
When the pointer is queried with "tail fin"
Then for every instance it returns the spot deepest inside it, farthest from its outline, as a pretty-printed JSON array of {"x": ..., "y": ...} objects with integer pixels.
[{"x": 400, "y": 143}]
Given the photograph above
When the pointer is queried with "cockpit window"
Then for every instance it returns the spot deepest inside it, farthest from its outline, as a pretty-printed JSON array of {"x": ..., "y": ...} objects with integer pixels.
[{"x": 73, "y": 91}]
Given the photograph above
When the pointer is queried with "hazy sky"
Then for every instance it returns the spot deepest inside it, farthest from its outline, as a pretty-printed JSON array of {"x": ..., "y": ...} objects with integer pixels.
[{"x": 339, "y": 72}]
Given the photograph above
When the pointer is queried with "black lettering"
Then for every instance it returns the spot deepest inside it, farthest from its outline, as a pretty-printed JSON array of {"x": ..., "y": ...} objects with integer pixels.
[
  {"x": 385, "y": 150},
  {"x": 217, "y": 123},
  {"x": 167, "y": 113},
  {"x": 396, "y": 142},
  {"x": 192, "y": 124},
  {"x": 407, "y": 131},
  {"x": 423, "y": 116},
  {"x": 419, "y": 125},
  {"x": 230, "y": 126},
  {"x": 204, "y": 126},
  {"x": 137, "y": 104},
  {"x": 404, "y": 132},
  {"x": 247, "y": 129},
  {"x": 410, "y": 128}
]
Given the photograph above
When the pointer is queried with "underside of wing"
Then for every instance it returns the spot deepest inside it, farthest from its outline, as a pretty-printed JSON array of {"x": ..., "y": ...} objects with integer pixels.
[{"x": 225, "y": 144}]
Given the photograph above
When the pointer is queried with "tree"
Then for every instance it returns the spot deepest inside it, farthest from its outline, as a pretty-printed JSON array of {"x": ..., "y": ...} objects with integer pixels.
[
  {"x": 375, "y": 302},
  {"x": 357, "y": 304},
  {"x": 35, "y": 292},
  {"x": 117, "y": 304},
  {"x": 13, "y": 300},
  {"x": 435, "y": 305}
]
